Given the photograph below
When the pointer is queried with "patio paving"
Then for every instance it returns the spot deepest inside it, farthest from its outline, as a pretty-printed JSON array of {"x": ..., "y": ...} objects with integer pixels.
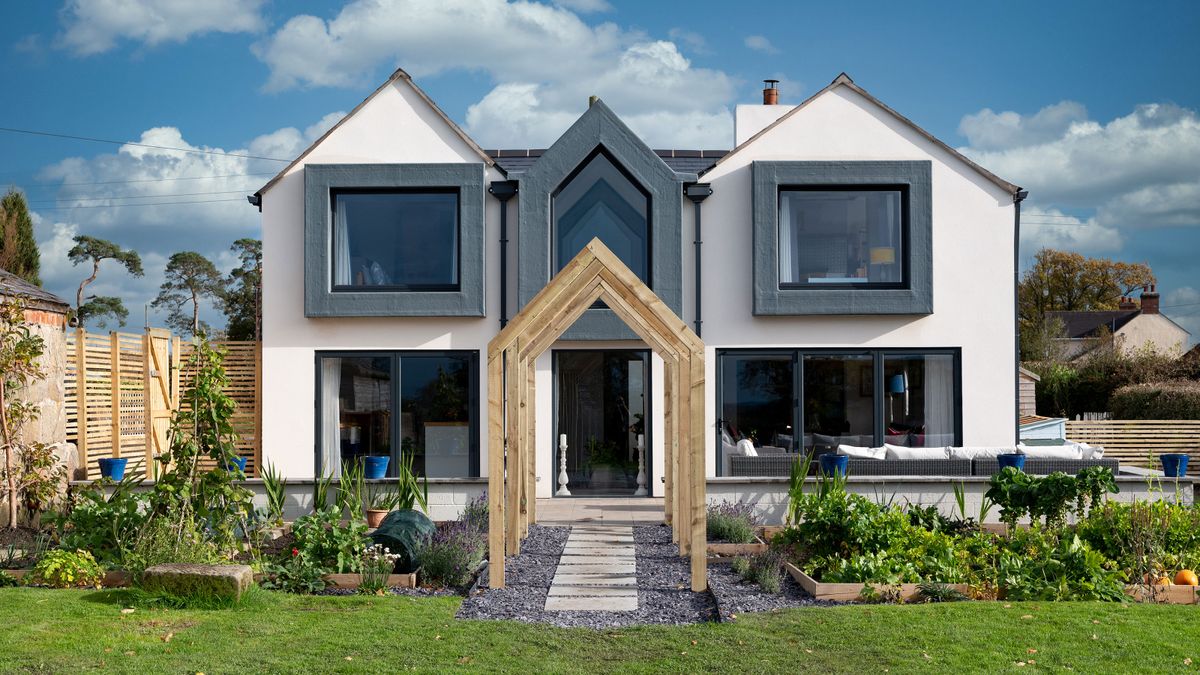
[{"x": 626, "y": 511}]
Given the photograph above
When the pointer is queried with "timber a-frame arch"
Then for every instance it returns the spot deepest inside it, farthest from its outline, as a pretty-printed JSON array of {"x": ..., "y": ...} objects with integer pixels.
[{"x": 594, "y": 274}]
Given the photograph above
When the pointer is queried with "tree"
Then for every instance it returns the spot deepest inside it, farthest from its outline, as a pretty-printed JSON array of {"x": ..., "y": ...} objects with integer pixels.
[
  {"x": 1065, "y": 281},
  {"x": 18, "y": 249},
  {"x": 93, "y": 250},
  {"x": 242, "y": 301},
  {"x": 189, "y": 278}
]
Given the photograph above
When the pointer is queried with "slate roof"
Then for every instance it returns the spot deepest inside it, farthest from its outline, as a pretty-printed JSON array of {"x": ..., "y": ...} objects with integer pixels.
[
  {"x": 1088, "y": 324},
  {"x": 683, "y": 161},
  {"x": 39, "y": 298}
]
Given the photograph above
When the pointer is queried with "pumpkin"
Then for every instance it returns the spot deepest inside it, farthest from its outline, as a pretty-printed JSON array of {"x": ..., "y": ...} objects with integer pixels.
[
  {"x": 1187, "y": 578},
  {"x": 1164, "y": 580}
]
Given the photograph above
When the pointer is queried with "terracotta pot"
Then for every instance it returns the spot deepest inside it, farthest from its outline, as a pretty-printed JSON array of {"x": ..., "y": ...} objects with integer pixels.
[{"x": 375, "y": 517}]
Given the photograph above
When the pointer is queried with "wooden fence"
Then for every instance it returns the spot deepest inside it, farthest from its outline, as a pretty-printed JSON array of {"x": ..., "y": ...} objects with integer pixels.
[
  {"x": 131, "y": 384},
  {"x": 1140, "y": 442}
]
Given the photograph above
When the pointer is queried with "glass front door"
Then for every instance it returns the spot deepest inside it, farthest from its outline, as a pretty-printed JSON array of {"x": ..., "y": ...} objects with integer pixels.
[{"x": 601, "y": 411}]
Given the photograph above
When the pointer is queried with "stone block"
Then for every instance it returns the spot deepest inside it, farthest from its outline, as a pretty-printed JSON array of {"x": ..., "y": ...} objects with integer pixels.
[{"x": 189, "y": 580}]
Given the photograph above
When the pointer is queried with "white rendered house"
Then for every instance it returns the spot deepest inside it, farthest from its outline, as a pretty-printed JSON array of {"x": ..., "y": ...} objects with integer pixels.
[{"x": 851, "y": 276}]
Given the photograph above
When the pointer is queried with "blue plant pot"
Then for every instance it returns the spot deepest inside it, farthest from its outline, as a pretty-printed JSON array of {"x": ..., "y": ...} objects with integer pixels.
[
  {"x": 238, "y": 463},
  {"x": 112, "y": 467},
  {"x": 834, "y": 465},
  {"x": 1014, "y": 459},
  {"x": 1174, "y": 465},
  {"x": 375, "y": 467}
]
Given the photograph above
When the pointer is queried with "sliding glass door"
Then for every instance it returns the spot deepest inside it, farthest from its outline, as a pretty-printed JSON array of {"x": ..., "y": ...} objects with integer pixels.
[{"x": 422, "y": 405}]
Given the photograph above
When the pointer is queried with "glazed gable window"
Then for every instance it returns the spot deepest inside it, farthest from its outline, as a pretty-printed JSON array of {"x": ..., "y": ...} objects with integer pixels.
[
  {"x": 842, "y": 237},
  {"x": 392, "y": 240}
]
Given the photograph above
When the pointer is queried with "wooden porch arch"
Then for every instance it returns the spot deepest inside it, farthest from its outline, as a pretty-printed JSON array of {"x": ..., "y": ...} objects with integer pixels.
[{"x": 594, "y": 274}]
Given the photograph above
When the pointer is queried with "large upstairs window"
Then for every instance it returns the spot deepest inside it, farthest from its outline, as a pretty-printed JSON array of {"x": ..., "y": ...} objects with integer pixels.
[
  {"x": 600, "y": 199},
  {"x": 842, "y": 237},
  {"x": 395, "y": 240}
]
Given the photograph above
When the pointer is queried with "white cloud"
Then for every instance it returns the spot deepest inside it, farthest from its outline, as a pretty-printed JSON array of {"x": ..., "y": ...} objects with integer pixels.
[
  {"x": 760, "y": 43},
  {"x": 1051, "y": 228},
  {"x": 1085, "y": 162},
  {"x": 1182, "y": 306},
  {"x": 585, "y": 6},
  {"x": 648, "y": 82},
  {"x": 693, "y": 40},
  {"x": 95, "y": 26},
  {"x": 166, "y": 201}
]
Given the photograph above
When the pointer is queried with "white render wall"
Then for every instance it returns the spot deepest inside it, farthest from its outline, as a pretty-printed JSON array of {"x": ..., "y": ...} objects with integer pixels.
[
  {"x": 396, "y": 126},
  {"x": 972, "y": 262}
]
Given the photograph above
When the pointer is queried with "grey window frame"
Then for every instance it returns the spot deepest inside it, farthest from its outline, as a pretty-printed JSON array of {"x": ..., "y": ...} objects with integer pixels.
[
  {"x": 878, "y": 356},
  {"x": 322, "y": 180},
  {"x": 915, "y": 297}
]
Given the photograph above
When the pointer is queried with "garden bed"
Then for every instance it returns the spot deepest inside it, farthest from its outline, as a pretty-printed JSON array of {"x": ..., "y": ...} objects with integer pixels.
[
  {"x": 854, "y": 592},
  {"x": 353, "y": 581},
  {"x": 112, "y": 578}
]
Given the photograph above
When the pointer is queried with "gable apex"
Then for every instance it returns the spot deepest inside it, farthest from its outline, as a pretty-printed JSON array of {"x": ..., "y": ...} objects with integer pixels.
[{"x": 398, "y": 76}]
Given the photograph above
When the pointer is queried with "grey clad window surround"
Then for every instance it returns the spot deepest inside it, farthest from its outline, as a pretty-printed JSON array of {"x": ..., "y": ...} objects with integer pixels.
[
  {"x": 394, "y": 240},
  {"x": 840, "y": 237},
  {"x": 600, "y": 200},
  {"x": 546, "y": 188}
]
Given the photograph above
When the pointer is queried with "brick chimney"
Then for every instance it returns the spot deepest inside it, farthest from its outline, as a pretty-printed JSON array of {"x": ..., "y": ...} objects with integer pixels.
[
  {"x": 1150, "y": 299},
  {"x": 771, "y": 92},
  {"x": 1126, "y": 303}
]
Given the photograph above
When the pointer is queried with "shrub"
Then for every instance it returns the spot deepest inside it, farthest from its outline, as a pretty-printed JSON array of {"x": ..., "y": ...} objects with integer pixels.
[
  {"x": 1157, "y": 401},
  {"x": 328, "y": 544},
  {"x": 475, "y": 514},
  {"x": 452, "y": 555},
  {"x": 7, "y": 580},
  {"x": 733, "y": 522},
  {"x": 67, "y": 569},
  {"x": 1145, "y": 537},
  {"x": 294, "y": 573},
  {"x": 167, "y": 542},
  {"x": 107, "y": 526},
  {"x": 764, "y": 569},
  {"x": 1039, "y": 564}
]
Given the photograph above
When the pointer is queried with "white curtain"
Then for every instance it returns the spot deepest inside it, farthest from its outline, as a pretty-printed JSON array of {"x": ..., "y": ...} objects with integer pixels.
[
  {"x": 939, "y": 399},
  {"x": 341, "y": 249},
  {"x": 331, "y": 436},
  {"x": 786, "y": 240}
]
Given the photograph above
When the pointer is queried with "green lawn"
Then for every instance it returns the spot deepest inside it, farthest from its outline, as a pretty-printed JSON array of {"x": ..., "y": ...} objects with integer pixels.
[{"x": 70, "y": 631}]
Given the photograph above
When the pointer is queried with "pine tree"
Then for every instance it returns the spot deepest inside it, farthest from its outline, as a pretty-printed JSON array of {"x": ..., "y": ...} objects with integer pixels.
[
  {"x": 189, "y": 278},
  {"x": 18, "y": 248}
]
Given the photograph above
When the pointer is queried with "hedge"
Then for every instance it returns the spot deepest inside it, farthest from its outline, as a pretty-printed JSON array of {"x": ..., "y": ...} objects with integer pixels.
[{"x": 1179, "y": 400}]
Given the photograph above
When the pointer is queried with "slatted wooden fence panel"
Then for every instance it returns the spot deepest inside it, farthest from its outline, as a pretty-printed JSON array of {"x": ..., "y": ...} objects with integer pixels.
[
  {"x": 1140, "y": 442},
  {"x": 112, "y": 373}
]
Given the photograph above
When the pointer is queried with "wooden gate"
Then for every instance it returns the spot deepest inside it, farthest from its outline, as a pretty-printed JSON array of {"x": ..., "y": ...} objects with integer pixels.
[{"x": 160, "y": 398}]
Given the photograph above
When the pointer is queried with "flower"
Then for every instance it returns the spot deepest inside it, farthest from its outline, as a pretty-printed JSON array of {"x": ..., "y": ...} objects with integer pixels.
[{"x": 295, "y": 552}]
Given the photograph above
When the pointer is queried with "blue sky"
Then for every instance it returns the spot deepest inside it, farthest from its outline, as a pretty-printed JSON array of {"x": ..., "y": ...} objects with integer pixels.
[{"x": 1091, "y": 106}]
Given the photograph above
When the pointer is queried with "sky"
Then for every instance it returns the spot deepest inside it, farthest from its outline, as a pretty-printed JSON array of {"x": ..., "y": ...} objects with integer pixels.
[{"x": 1094, "y": 107}]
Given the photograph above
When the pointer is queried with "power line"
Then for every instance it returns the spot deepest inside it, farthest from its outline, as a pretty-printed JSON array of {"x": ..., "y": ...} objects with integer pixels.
[
  {"x": 55, "y": 186},
  {"x": 50, "y": 134},
  {"x": 97, "y": 199},
  {"x": 118, "y": 206}
]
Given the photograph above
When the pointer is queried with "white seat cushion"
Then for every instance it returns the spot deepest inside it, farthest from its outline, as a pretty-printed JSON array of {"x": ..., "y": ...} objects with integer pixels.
[
  {"x": 1051, "y": 451},
  {"x": 904, "y": 452},
  {"x": 745, "y": 447},
  {"x": 979, "y": 452},
  {"x": 862, "y": 453}
]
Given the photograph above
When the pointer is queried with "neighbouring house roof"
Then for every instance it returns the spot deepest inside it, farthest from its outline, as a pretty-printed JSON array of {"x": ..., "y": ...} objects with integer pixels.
[
  {"x": 399, "y": 75},
  {"x": 38, "y": 298},
  {"x": 1027, "y": 420},
  {"x": 1080, "y": 325},
  {"x": 843, "y": 80},
  {"x": 680, "y": 161}
]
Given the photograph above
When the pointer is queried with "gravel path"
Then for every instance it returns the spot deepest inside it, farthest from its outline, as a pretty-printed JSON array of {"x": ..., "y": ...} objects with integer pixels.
[
  {"x": 664, "y": 595},
  {"x": 735, "y": 597}
]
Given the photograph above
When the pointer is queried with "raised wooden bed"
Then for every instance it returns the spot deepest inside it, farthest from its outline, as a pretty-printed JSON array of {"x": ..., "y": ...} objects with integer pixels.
[
  {"x": 727, "y": 553},
  {"x": 1170, "y": 594},
  {"x": 355, "y": 580},
  {"x": 853, "y": 592},
  {"x": 113, "y": 579}
]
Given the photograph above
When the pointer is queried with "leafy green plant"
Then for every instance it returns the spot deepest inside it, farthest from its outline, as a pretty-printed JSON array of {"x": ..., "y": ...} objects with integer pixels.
[
  {"x": 764, "y": 569},
  {"x": 936, "y": 592},
  {"x": 351, "y": 489},
  {"x": 1049, "y": 497},
  {"x": 475, "y": 514},
  {"x": 406, "y": 533},
  {"x": 380, "y": 497},
  {"x": 1038, "y": 564},
  {"x": 295, "y": 572},
  {"x": 410, "y": 492},
  {"x": 7, "y": 580},
  {"x": 66, "y": 569},
  {"x": 321, "y": 487},
  {"x": 275, "y": 485},
  {"x": 20, "y": 366},
  {"x": 106, "y": 525},
  {"x": 161, "y": 542},
  {"x": 328, "y": 543}
]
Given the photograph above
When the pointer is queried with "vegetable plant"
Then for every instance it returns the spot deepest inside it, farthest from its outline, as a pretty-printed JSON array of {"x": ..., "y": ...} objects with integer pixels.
[{"x": 67, "y": 569}]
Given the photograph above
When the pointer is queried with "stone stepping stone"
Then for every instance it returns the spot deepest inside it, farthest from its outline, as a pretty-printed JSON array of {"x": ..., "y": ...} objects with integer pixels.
[
  {"x": 591, "y": 604},
  {"x": 596, "y": 580},
  {"x": 593, "y": 591},
  {"x": 629, "y": 569}
]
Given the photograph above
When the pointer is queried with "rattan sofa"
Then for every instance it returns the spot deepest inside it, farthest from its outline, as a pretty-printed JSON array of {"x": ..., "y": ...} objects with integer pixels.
[
  {"x": 780, "y": 464},
  {"x": 1041, "y": 466}
]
